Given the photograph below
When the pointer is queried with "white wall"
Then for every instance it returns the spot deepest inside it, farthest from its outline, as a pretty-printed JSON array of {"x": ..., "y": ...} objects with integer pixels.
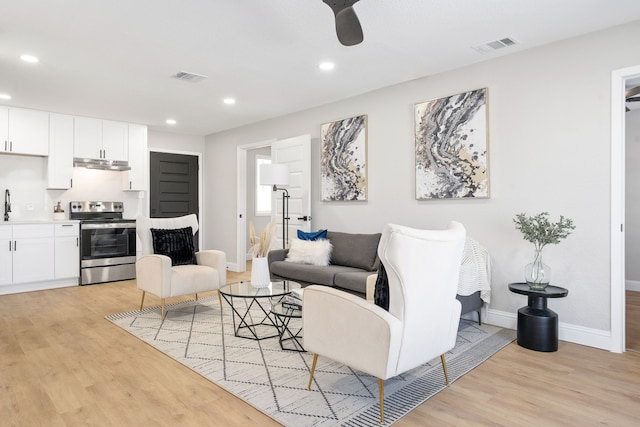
[
  {"x": 549, "y": 126},
  {"x": 632, "y": 200}
]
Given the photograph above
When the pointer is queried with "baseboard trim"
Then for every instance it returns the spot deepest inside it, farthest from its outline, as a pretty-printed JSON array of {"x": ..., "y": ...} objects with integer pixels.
[
  {"x": 38, "y": 286},
  {"x": 632, "y": 285},
  {"x": 567, "y": 332},
  {"x": 233, "y": 266}
]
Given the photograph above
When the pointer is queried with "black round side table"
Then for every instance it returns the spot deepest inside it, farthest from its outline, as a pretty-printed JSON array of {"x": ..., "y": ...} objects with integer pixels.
[{"x": 537, "y": 324}]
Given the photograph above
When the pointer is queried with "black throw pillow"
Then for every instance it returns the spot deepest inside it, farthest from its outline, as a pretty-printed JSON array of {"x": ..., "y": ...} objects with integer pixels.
[
  {"x": 177, "y": 244},
  {"x": 381, "y": 292}
]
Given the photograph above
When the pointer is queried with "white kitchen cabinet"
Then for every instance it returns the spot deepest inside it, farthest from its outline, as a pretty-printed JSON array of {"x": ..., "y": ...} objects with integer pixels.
[
  {"x": 87, "y": 142},
  {"x": 67, "y": 250},
  {"x": 6, "y": 255},
  {"x": 136, "y": 178},
  {"x": 115, "y": 140},
  {"x": 60, "y": 160},
  {"x": 33, "y": 249},
  {"x": 100, "y": 139},
  {"x": 24, "y": 131}
]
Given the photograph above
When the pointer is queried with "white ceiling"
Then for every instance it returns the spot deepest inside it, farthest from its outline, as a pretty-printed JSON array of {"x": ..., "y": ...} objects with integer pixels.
[{"x": 113, "y": 58}]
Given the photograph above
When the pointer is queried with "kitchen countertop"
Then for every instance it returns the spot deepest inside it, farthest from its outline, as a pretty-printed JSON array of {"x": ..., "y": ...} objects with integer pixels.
[{"x": 38, "y": 221}]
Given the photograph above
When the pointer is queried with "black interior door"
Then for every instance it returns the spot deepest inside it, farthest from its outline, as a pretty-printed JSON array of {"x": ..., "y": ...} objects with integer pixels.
[{"x": 173, "y": 185}]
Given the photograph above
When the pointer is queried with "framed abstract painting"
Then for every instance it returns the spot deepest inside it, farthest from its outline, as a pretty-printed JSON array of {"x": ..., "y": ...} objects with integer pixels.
[
  {"x": 343, "y": 160},
  {"x": 451, "y": 136}
]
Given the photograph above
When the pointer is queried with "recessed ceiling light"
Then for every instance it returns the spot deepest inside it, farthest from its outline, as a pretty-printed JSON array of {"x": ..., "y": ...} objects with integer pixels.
[
  {"x": 4, "y": 96},
  {"x": 327, "y": 66},
  {"x": 229, "y": 101},
  {"x": 171, "y": 122},
  {"x": 29, "y": 58}
]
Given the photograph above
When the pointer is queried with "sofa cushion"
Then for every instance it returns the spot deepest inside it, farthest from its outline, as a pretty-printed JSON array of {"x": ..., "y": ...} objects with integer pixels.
[
  {"x": 305, "y": 273},
  {"x": 177, "y": 244},
  {"x": 355, "y": 250},
  {"x": 352, "y": 280},
  {"x": 314, "y": 252},
  {"x": 313, "y": 235}
]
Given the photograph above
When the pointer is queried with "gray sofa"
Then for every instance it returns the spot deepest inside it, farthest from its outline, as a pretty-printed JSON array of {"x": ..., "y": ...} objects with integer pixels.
[
  {"x": 353, "y": 260},
  {"x": 354, "y": 257}
]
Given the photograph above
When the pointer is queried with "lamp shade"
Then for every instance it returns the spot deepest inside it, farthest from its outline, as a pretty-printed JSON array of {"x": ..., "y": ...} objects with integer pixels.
[{"x": 274, "y": 174}]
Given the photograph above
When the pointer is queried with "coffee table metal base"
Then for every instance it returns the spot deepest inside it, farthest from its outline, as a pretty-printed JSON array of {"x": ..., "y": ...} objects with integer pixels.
[
  {"x": 289, "y": 340},
  {"x": 241, "y": 319}
]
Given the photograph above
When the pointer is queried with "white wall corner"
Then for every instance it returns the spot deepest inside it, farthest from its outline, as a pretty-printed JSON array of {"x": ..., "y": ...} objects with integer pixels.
[
  {"x": 566, "y": 332},
  {"x": 233, "y": 266}
]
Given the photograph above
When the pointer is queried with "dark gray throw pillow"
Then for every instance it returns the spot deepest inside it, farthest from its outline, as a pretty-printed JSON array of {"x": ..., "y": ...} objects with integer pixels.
[
  {"x": 381, "y": 292},
  {"x": 177, "y": 244}
]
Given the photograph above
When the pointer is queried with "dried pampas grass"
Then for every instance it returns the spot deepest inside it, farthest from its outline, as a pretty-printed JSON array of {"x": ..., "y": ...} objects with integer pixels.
[{"x": 260, "y": 247}]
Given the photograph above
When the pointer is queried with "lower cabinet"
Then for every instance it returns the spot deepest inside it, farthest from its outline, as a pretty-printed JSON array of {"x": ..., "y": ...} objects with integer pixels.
[
  {"x": 6, "y": 255},
  {"x": 67, "y": 251},
  {"x": 31, "y": 253}
]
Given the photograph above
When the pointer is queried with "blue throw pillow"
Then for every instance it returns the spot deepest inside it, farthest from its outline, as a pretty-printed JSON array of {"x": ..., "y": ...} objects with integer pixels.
[{"x": 314, "y": 235}]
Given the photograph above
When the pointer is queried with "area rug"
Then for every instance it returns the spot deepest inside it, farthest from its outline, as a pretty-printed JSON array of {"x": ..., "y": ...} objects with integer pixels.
[{"x": 200, "y": 335}]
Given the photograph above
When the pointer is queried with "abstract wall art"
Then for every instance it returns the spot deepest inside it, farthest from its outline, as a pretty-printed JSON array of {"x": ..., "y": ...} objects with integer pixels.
[
  {"x": 343, "y": 160},
  {"x": 452, "y": 147}
]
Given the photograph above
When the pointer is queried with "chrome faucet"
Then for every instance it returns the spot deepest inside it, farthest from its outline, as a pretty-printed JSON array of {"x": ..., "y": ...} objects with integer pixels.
[{"x": 7, "y": 204}]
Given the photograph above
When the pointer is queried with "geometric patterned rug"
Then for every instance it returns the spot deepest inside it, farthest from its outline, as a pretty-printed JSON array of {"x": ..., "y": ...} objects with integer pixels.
[{"x": 200, "y": 335}]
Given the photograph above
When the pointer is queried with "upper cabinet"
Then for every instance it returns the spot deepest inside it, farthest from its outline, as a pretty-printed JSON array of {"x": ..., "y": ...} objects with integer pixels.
[
  {"x": 60, "y": 161},
  {"x": 24, "y": 131},
  {"x": 135, "y": 179},
  {"x": 100, "y": 139}
]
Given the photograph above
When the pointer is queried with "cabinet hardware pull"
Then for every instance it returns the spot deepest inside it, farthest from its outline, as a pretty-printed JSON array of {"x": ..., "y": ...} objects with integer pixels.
[
  {"x": 71, "y": 180},
  {"x": 77, "y": 242},
  {"x": 129, "y": 185},
  {"x": 10, "y": 145},
  {"x": 9, "y": 245},
  {"x": 15, "y": 245},
  {"x": 67, "y": 225}
]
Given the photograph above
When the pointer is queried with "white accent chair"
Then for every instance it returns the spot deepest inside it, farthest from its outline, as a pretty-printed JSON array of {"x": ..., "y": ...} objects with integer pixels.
[
  {"x": 423, "y": 267},
  {"x": 156, "y": 275}
]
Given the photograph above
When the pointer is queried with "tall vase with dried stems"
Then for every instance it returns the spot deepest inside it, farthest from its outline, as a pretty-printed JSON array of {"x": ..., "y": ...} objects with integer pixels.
[{"x": 260, "y": 277}]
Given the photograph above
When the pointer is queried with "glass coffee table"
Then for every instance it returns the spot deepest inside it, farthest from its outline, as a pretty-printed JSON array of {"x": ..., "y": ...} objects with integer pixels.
[
  {"x": 251, "y": 307},
  {"x": 289, "y": 333}
]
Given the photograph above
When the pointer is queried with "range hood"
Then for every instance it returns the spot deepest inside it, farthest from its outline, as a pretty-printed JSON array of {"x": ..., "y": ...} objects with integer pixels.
[{"x": 107, "y": 165}]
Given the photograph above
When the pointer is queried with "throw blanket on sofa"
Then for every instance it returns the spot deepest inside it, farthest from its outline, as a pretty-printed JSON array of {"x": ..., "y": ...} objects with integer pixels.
[{"x": 475, "y": 271}]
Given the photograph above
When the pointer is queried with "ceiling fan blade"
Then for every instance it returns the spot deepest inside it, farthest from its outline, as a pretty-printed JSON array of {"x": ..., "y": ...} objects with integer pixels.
[{"x": 348, "y": 26}]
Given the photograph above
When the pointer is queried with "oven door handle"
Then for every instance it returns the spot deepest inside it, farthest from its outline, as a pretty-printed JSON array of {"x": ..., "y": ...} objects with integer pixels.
[{"x": 90, "y": 226}]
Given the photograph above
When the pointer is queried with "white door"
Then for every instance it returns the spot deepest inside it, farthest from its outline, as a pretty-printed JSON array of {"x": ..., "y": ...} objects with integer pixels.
[{"x": 296, "y": 153}]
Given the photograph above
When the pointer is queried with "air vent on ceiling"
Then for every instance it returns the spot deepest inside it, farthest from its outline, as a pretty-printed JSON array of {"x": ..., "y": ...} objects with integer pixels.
[
  {"x": 495, "y": 45},
  {"x": 189, "y": 77}
]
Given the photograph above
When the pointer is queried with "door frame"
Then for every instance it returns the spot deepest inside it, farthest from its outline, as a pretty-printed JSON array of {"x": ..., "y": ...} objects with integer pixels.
[
  {"x": 241, "y": 201},
  {"x": 617, "y": 231},
  {"x": 201, "y": 201}
]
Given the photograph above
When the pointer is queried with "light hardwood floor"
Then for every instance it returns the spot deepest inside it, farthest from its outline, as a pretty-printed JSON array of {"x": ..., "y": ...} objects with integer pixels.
[
  {"x": 63, "y": 364},
  {"x": 632, "y": 326}
]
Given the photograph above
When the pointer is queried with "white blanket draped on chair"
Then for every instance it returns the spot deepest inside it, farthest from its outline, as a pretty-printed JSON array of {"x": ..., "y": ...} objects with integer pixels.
[{"x": 475, "y": 272}]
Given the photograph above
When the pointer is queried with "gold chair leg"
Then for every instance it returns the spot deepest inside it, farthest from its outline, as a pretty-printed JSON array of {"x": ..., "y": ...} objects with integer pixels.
[
  {"x": 313, "y": 369},
  {"x": 196, "y": 296},
  {"x": 381, "y": 388},
  {"x": 162, "y": 313},
  {"x": 444, "y": 367},
  {"x": 142, "y": 301},
  {"x": 220, "y": 299}
]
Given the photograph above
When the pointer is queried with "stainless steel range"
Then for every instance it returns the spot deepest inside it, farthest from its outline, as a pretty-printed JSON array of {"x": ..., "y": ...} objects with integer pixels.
[{"x": 107, "y": 242}]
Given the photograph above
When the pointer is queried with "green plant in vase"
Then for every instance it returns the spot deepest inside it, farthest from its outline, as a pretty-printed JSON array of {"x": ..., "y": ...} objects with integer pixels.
[{"x": 541, "y": 232}]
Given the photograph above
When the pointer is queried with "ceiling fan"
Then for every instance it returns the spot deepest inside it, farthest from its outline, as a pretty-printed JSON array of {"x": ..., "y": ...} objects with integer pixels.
[
  {"x": 632, "y": 95},
  {"x": 348, "y": 26}
]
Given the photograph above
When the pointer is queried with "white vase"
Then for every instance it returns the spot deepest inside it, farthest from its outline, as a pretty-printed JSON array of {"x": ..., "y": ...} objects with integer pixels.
[{"x": 260, "y": 273}]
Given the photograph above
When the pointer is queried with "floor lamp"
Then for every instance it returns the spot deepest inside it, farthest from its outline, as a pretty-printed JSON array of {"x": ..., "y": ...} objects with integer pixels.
[{"x": 278, "y": 174}]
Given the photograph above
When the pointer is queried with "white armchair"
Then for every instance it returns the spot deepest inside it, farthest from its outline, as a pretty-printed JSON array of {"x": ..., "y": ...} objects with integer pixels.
[
  {"x": 156, "y": 275},
  {"x": 422, "y": 267}
]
